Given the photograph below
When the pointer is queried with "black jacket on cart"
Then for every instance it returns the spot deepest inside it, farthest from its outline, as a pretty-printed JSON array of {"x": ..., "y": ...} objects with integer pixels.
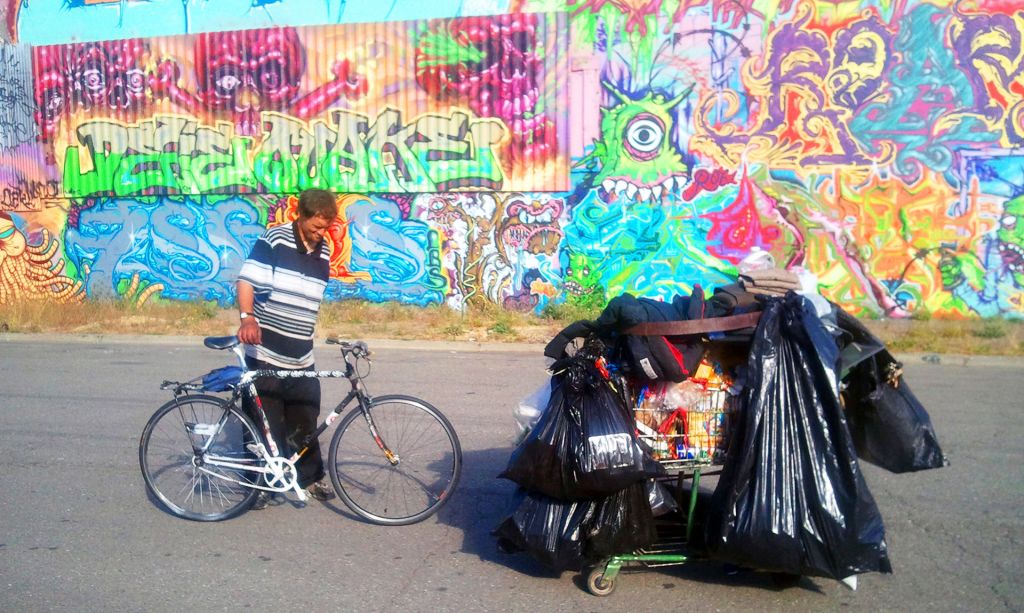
[{"x": 653, "y": 358}]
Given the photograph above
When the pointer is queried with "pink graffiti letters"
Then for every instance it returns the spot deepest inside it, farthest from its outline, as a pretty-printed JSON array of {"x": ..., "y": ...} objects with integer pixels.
[{"x": 709, "y": 181}]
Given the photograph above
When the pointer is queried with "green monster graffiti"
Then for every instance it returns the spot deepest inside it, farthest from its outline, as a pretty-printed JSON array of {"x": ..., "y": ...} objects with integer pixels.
[
  {"x": 582, "y": 282},
  {"x": 637, "y": 159},
  {"x": 992, "y": 286}
]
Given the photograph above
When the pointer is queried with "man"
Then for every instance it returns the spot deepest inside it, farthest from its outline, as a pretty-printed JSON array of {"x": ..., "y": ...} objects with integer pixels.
[{"x": 280, "y": 288}]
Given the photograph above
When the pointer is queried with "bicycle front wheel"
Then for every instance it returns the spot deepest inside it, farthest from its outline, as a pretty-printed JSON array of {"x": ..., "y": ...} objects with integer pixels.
[
  {"x": 183, "y": 452},
  {"x": 422, "y": 475}
]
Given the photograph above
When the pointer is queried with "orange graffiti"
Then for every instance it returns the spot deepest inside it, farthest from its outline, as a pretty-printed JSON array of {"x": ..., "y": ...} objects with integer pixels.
[
  {"x": 337, "y": 236},
  {"x": 29, "y": 272}
]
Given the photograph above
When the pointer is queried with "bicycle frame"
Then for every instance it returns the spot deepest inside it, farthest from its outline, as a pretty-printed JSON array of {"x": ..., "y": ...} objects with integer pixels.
[{"x": 277, "y": 464}]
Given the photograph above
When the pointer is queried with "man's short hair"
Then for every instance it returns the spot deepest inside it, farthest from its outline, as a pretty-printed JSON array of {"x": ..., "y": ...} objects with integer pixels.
[{"x": 317, "y": 203}]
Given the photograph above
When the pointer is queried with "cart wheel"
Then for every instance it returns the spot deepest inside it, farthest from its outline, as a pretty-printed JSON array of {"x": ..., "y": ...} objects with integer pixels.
[
  {"x": 785, "y": 580},
  {"x": 597, "y": 584}
]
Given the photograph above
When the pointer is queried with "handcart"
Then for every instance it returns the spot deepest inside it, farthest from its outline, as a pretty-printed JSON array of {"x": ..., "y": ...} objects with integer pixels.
[{"x": 690, "y": 442}]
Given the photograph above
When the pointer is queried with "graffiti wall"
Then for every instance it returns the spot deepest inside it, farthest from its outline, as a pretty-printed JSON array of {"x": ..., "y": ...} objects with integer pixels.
[{"x": 509, "y": 154}]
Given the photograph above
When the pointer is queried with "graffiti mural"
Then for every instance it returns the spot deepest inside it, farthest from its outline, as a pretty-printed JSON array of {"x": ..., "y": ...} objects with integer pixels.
[
  {"x": 282, "y": 110},
  {"x": 522, "y": 153},
  {"x": 871, "y": 146}
]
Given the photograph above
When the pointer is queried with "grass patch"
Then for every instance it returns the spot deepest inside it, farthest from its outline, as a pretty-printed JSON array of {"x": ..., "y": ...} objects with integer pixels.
[
  {"x": 965, "y": 336},
  {"x": 502, "y": 328},
  {"x": 117, "y": 317},
  {"x": 568, "y": 312},
  {"x": 991, "y": 329}
]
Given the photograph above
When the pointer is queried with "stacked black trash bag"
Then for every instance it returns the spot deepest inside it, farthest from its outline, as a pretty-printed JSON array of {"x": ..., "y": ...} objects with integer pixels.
[
  {"x": 890, "y": 427},
  {"x": 791, "y": 498},
  {"x": 583, "y": 475}
]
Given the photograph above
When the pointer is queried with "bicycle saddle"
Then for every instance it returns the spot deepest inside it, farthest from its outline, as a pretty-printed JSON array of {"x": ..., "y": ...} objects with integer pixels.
[{"x": 220, "y": 342}]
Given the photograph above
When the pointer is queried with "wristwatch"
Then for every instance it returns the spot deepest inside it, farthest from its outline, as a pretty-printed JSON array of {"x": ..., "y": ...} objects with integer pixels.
[{"x": 244, "y": 315}]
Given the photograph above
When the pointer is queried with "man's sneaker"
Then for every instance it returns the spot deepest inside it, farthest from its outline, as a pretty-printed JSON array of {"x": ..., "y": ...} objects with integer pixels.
[
  {"x": 262, "y": 501},
  {"x": 320, "y": 491}
]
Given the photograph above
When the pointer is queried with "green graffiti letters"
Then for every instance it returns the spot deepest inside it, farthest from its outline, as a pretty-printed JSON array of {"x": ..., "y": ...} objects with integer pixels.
[
  {"x": 165, "y": 155},
  {"x": 174, "y": 155}
]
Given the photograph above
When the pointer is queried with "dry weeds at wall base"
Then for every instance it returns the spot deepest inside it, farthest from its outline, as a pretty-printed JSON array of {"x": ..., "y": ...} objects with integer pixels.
[{"x": 361, "y": 319}]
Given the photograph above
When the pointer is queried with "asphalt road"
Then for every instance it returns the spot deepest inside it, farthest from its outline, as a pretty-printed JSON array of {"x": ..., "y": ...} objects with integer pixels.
[{"x": 78, "y": 533}]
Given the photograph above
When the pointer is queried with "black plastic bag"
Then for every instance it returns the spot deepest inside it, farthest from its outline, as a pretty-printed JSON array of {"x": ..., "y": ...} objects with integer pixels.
[
  {"x": 585, "y": 445},
  {"x": 791, "y": 497},
  {"x": 621, "y": 523},
  {"x": 890, "y": 428},
  {"x": 660, "y": 498},
  {"x": 549, "y": 530}
]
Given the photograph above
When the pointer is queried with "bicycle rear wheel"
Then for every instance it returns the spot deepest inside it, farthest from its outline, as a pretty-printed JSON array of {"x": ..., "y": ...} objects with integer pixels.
[
  {"x": 178, "y": 471},
  {"x": 427, "y": 469}
]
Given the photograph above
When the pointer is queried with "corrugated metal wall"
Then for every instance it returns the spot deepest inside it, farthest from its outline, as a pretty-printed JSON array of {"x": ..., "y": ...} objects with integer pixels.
[
  {"x": 419, "y": 106},
  {"x": 22, "y": 180}
]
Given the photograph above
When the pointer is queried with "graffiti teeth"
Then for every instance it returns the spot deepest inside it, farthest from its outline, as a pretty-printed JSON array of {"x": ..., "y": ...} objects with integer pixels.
[
  {"x": 645, "y": 194},
  {"x": 631, "y": 191},
  {"x": 1012, "y": 255},
  {"x": 545, "y": 217},
  {"x": 656, "y": 190},
  {"x": 608, "y": 185}
]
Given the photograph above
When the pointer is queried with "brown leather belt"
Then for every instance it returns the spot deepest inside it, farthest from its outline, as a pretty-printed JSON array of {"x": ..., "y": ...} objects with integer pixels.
[{"x": 695, "y": 326}]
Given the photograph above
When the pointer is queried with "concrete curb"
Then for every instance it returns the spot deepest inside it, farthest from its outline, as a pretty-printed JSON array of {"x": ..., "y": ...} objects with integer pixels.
[{"x": 930, "y": 359}]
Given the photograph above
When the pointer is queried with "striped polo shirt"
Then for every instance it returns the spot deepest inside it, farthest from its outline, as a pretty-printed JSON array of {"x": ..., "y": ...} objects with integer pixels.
[{"x": 289, "y": 285}]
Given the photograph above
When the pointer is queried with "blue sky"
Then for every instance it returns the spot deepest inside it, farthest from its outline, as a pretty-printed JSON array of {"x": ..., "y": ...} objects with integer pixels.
[{"x": 43, "y": 22}]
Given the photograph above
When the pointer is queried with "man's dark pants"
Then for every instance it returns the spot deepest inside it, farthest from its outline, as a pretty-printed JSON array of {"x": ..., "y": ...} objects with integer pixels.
[{"x": 292, "y": 407}]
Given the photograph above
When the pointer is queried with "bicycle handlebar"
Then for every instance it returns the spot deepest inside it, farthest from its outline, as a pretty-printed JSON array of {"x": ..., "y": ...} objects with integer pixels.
[{"x": 358, "y": 349}]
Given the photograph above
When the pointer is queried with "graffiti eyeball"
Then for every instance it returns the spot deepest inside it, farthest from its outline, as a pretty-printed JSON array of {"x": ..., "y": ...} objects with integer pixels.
[
  {"x": 1008, "y": 222},
  {"x": 226, "y": 83},
  {"x": 584, "y": 271},
  {"x": 53, "y": 103},
  {"x": 93, "y": 80},
  {"x": 644, "y": 136},
  {"x": 135, "y": 80},
  {"x": 12, "y": 242},
  {"x": 270, "y": 76}
]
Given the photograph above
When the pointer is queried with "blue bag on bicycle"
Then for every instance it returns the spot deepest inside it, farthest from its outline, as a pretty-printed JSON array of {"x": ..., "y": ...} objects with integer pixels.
[{"x": 222, "y": 379}]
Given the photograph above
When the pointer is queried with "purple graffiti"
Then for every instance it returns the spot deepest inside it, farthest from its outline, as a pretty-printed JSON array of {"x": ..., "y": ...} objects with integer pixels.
[
  {"x": 988, "y": 48},
  {"x": 793, "y": 113},
  {"x": 863, "y": 54}
]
